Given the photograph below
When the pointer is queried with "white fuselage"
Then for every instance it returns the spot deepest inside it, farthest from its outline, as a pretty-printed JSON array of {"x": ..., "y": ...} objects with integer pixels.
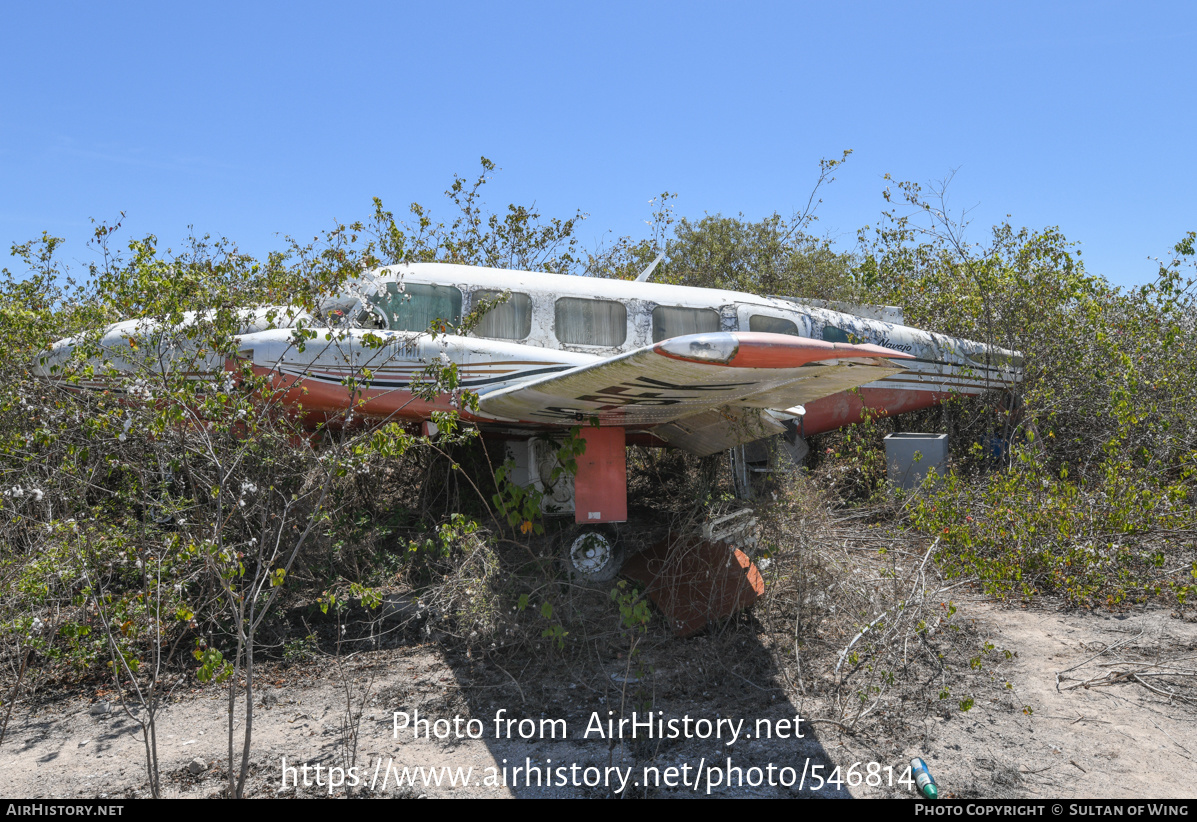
[
  {"x": 545, "y": 323},
  {"x": 941, "y": 363}
]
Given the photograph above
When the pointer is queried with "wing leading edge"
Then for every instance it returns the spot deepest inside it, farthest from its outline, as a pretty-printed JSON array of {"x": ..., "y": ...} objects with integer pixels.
[{"x": 702, "y": 392}]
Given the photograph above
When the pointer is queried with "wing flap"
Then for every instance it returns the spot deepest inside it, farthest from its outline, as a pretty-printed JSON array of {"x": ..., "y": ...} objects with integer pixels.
[{"x": 710, "y": 432}]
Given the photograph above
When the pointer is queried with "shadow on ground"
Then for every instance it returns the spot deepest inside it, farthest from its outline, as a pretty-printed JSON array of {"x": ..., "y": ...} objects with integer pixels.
[{"x": 637, "y": 714}]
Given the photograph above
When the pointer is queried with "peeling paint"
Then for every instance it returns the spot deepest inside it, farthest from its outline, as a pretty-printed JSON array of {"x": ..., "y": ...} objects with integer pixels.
[{"x": 530, "y": 380}]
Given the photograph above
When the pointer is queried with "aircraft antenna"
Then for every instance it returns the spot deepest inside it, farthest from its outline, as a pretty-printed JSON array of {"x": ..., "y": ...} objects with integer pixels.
[{"x": 646, "y": 273}]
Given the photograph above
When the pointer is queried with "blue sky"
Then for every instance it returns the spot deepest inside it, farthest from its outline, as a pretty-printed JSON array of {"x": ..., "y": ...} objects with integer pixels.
[{"x": 252, "y": 119}]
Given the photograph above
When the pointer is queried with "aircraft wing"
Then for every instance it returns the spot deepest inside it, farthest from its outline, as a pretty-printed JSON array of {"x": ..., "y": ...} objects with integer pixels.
[{"x": 701, "y": 392}]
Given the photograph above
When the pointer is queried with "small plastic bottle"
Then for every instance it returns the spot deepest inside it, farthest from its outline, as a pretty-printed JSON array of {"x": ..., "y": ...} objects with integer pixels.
[{"x": 922, "y": 778}]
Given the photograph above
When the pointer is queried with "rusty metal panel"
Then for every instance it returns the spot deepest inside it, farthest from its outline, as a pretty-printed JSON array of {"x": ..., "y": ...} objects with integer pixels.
[{"x": 695, "y": 582}]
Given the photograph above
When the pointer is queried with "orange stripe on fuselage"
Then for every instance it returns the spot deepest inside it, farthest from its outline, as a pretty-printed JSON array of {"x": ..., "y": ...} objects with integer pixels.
[{"x": 758, "y": 349}]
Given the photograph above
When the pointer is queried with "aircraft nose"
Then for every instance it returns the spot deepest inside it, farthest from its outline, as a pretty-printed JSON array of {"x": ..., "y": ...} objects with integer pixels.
[{"x": 48, "y": 363}]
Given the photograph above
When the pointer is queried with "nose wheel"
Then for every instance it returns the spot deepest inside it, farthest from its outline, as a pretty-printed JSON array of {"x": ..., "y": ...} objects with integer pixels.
[{"x": 593, "y": 554}]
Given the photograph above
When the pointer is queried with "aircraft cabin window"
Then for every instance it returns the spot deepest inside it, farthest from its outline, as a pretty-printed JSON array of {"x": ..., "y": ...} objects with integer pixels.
[
  {"x": 772, "y": 325},
  {"x": 591, "y": 322},
  {"x": 675, "y": 321},
  {"x": 418, "y": 306},
  {"x": 833, "y": 334},
  {"x": 512, "y": 320}
]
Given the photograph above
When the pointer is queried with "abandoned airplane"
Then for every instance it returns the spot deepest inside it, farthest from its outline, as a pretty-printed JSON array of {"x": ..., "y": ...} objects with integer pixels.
[{"x": 699, "y": 369}]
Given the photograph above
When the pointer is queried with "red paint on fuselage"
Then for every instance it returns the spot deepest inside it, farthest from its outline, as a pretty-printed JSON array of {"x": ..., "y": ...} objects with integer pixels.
[
  {"x": 848, "y": 407},
  {"x": 326, "y": 402}
]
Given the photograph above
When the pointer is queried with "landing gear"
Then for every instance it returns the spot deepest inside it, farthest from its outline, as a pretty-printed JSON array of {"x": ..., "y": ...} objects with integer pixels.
[
  {"x": 593, "y": 553},
  {"x": 754, "y": 462}
]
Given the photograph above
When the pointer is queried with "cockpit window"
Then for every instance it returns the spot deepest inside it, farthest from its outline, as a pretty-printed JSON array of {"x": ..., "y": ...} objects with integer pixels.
[
  {"x": 674, "y": 321},
  {"x": 591, "y": 322},
  {"x": 416, "y": 306},
  {"x": 772, "y": 325},
  {"x": 511, "y": 320},
  {"x": 371, "y": 317}
]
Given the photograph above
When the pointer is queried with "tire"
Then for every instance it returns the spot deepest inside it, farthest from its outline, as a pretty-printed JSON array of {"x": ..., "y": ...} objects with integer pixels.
[{"x": 592, "y": 553}]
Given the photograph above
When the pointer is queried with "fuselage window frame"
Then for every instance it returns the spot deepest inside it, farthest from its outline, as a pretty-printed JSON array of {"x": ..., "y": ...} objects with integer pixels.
[
  {"x": 832, "y": 334},
  {"x": 587, "y": 312},
  {"x": 773, "y": 323},
  {"x": 517, "y": 309},
  {"x": 665, "y": 317},
  {"x": 396, "y": 300}
]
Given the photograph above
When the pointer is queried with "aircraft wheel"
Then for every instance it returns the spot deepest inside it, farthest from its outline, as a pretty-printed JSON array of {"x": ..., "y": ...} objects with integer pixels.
[{"x": 593, "y": 553}]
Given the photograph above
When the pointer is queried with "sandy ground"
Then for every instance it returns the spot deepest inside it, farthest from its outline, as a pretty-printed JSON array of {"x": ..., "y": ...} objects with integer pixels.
[
  {"x": 1107, "y": 740},
  {"x": 1043, "y": 735}
]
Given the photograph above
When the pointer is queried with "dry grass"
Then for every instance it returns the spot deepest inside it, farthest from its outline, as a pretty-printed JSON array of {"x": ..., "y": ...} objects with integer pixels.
[{"x": 857, "y": 615}]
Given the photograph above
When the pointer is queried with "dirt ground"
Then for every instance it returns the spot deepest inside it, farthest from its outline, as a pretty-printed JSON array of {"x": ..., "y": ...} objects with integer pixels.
[{"x": 1033, "y": 731}]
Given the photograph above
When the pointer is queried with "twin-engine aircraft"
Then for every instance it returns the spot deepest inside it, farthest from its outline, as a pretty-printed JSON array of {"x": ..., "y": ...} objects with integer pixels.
[{"x": 699, "y": 369}]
